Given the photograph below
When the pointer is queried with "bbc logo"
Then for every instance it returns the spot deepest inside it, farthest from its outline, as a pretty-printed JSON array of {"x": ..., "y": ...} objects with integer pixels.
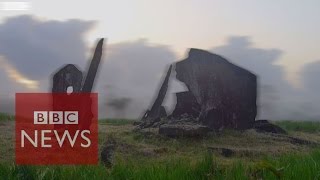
[{"x": 55, "y": 117}]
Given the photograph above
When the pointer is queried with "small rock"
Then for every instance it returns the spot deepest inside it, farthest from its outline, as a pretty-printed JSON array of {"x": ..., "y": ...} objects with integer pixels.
[
  {"x": 107, "y": 154},
  {"x": 226, "y": 152},
  {"x": 266, "y": 126}
]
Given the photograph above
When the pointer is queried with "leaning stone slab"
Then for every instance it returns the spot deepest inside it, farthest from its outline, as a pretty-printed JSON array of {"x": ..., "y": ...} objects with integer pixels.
[{"x": 157, "y": 111}]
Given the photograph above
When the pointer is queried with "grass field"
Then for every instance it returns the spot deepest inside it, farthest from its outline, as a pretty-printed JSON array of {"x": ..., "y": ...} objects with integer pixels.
[
  {"x": 6, "y": 117},
  {"x": 302, "y": 126},
  {"x": 148, "y": 155}
]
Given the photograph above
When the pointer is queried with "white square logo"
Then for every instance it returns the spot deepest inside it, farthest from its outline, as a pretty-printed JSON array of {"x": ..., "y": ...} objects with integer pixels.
[
  {"x": 40, "y": 117},
  {"x": 71, "y": 117},
  {"x": 55, "y": 117}
]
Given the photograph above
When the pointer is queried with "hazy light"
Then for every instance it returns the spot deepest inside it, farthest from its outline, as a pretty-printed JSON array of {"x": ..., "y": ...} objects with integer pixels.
[
  {"x": 15, "y": 6},
  {"x": 18, "y": 77}
]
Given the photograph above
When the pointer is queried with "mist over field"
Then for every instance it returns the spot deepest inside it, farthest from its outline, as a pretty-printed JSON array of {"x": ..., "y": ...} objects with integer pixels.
[{"x": 131, "y": 71}]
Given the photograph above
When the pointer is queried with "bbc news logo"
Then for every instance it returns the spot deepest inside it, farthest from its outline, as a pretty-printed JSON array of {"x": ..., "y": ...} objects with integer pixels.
[
  {"x": 55, "y": 117},
  {"x": 56, "y": 128}
]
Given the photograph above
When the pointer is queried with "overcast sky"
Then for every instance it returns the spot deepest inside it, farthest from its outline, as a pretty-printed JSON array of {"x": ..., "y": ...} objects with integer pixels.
[{"x": 279, "y": 41}]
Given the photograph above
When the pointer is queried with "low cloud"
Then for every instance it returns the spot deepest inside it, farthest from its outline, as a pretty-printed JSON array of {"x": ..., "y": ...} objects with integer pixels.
[
  {"x": 14, "y": 75},
  {"x": 277, "y": 98},
  {"x": 35, "y": 48},
  {"x": 310, "y": 74},
  {"x": 31, "y": 49},
  {"x": 134, "y": 70}
]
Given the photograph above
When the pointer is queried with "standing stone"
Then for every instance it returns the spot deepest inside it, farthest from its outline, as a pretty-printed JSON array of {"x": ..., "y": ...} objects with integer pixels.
[
  {"x": 67, "y": 76},
  {"x": 71, "y": 76},
  {"x": 93, "y": 68},
  {"x": 225, "y": 92}
]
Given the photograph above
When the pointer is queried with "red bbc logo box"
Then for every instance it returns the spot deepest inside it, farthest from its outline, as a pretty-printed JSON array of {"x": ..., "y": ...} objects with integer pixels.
[{"x": 56, "y": 128}]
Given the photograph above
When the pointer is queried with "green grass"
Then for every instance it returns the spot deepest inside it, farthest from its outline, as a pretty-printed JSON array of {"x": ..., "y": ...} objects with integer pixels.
[
  {"x": 148, "y": 155},
  {"x": 291, "y": 166},
  {"x": 6, "y": 117},
  {"x": 173, "y": 169},
  {"x": 116, "y": 122},
  {"x": 302, "y": 126},
  {"x": 298, "y": 166}
]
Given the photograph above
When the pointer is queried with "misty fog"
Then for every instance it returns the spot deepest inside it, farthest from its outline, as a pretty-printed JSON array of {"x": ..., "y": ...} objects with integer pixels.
[{"x": 132, "y": 71}]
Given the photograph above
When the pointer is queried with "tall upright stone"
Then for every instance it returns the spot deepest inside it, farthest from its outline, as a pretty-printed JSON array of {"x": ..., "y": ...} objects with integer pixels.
[
  {"x": 71, "y": 76},
  {"x": 225, "y": 92}
]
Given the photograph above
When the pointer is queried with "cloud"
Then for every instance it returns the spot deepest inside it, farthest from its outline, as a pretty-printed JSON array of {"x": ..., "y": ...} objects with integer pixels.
[
  {"x": 35, "y": 48},
  {"x": 240, "y": 50},
  {"x": 32, "y": 49},
  {"x": 310, "y": 74},
  {"x": 16, "y": 76},
  {"x": 134, "y": 69},
  {"x": 309, "y": 96}
]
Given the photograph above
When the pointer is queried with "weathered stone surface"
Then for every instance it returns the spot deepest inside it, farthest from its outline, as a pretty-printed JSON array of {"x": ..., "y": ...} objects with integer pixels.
[
  {"x": 93, "y": 68},
  {"x": 68, "y": 76},
  {"x": 183, "y": 130},
  {"x": 266, "y": 126},
  {"x": 186, "y": 104},
  {"x": 226, "y": 93},
  {"x": 71, "y": 76},
  {"x": 157, "y": 110}
]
